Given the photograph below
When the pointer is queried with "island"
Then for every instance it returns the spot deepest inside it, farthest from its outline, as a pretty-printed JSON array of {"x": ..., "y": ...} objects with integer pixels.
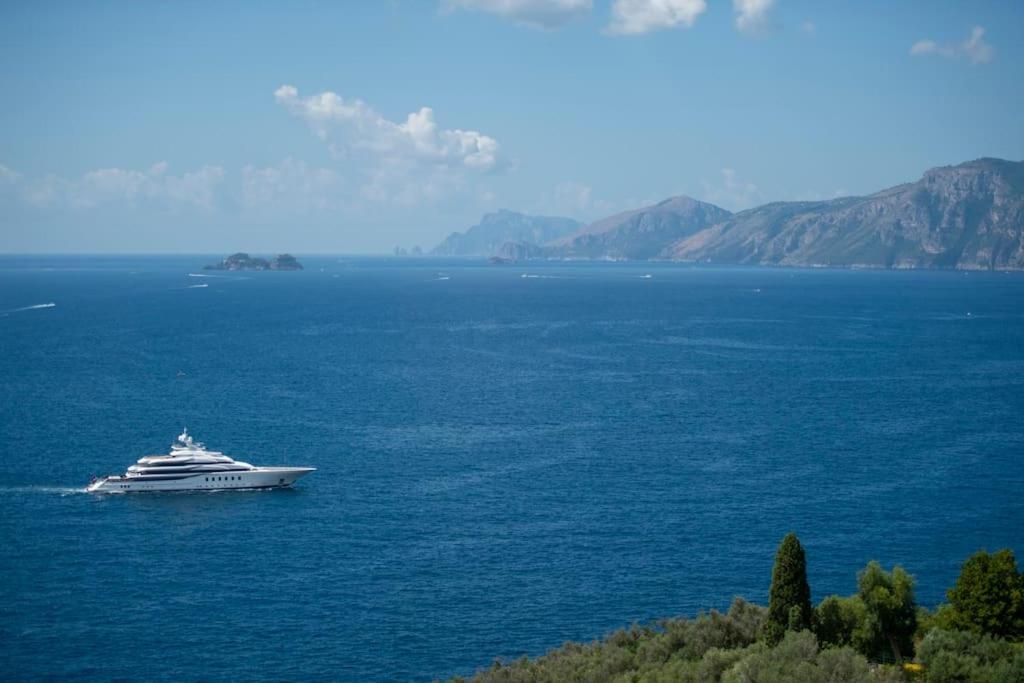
[{"x": 242, "y": 261}]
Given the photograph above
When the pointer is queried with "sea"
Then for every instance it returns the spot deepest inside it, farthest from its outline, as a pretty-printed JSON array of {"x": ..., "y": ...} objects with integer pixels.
[{"x": 508, "y": 456}]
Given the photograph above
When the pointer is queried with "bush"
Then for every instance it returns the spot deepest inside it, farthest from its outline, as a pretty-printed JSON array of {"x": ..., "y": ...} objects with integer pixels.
[
  {"x": 951, "y": 656},
  {"x": 797, "y": 658}
]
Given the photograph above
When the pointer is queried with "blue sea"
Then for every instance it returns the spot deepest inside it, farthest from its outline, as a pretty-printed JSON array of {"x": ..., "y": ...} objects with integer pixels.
[{"x": 508, "y": 457}]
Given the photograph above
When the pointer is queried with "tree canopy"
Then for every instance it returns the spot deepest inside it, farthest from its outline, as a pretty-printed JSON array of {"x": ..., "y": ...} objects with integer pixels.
[
  {"x": 789, "y": 599},
  {"x": 891, "y": 612},
  {"x": 989, "y": 595}
]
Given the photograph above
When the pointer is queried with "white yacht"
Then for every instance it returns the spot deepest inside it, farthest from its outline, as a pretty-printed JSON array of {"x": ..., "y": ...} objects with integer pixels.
[{"x": 190, "y": 467}]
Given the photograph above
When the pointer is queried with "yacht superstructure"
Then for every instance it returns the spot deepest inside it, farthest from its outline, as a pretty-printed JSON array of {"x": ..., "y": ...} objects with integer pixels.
[{"x": 189, "y": 466}]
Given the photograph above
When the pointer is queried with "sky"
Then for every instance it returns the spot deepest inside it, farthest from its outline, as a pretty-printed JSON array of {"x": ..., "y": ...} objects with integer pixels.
[{"x": 353, "y": 127}]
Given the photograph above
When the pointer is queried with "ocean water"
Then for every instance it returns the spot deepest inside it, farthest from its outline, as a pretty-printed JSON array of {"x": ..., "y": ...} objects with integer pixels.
[{"x": 509, "y": 457}]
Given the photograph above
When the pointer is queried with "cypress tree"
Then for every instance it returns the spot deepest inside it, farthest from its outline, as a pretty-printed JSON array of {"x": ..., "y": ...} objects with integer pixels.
[{"x": 789, "y": 600}]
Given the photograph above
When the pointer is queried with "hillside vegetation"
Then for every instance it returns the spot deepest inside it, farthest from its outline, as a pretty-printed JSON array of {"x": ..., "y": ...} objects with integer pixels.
[{"x": 878, "y": 634}]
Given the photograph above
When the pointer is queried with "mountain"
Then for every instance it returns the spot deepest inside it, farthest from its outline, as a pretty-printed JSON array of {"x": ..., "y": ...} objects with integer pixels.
[
  {"x": 519, "y": 251},
  {"x": 640, "y": 233},
  {"x": 495, "y": 229},
  {"x": 969, "y": 216}
]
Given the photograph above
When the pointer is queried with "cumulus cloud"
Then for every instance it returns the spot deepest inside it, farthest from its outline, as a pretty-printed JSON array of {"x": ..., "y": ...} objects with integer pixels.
[
  {"x": 974, "y": 48},
  {"x": 752, "y": 15},
  {"x": 352, "y": 125},
  {"x": 406, "y": 161},
  {"x": 636, "y": 17},
  {"x": 121, "y": 187},
  {"x": 731, "y": 192},
  {"x": 545, "y": 14},
  {"x": 294, "y": 187}
]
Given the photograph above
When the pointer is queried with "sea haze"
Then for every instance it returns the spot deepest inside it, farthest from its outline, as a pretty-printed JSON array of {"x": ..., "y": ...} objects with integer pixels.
[{"x": 504, "y": 462}]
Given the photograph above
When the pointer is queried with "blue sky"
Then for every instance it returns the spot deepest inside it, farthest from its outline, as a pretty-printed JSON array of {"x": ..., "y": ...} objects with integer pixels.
[{"x": 210, "y": 127}]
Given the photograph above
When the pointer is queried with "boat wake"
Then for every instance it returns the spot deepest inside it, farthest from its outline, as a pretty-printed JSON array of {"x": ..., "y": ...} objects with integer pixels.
[
  {"x": 197, "y": 286},
  {"x": 59, "y": 490},
  {"x": 28, "y": 308}
]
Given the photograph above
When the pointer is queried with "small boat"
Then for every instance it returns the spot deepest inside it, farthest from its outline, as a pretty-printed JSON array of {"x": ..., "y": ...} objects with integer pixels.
[{"x": 190, "y": 467}]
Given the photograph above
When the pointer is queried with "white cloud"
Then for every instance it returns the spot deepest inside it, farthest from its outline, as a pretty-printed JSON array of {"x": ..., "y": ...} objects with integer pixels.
[
  {"x": 353, "y": 126},
  {"x": 293, "y": 187},
  {"x": 120, "y": 187},
  {"x": 545, "y": 14},
  {"x": 732, "y": 193},
  {"x": 409, "y": 161},
  {"x": 8, "y": 176},
  {"x": 973, "y": 48},
  {"x": 635, "y": 17},
  {"x": 752, "y": 15},
  {"x": 114, "y": 185}
]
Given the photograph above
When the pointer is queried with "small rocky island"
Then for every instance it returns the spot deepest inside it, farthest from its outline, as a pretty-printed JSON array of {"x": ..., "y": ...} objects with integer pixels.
[{"x": 242, "y": 261}]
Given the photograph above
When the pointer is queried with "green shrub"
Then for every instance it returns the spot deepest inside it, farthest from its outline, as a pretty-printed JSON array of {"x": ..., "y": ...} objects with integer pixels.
[
  {"x": 797, "y": 658},
  {"x": 954, "y": 656}
]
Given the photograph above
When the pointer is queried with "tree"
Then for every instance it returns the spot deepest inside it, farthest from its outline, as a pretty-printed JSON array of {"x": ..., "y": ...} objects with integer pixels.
[
  {"x": 891, "y": 613},
  {"x": 789, "y": 600},
  {"x": 989, "y": 595},
  {"x": 836, "y": 619}
]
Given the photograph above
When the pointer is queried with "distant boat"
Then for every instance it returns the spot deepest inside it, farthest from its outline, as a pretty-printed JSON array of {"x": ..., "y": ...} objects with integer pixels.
[{"x": 190, "y": 467}]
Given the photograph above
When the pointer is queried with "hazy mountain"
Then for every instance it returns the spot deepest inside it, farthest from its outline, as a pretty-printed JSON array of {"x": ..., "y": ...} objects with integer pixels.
[
  {"x": 495, "y": 229},
  {"x": 969, "y": 216},
  {"x": 519, "y": 251},
  {"x": 640, "y": 233}
]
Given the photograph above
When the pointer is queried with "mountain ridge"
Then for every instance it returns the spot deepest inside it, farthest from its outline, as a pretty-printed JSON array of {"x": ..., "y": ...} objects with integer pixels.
[
  {"x": 968, "y": 216},
  {"x": 964, "y": 216},
  {"x": 496, "y": 228}
]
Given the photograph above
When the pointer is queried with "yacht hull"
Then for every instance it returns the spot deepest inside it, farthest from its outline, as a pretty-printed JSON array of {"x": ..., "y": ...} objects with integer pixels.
[{"x": 257, "y": 478}]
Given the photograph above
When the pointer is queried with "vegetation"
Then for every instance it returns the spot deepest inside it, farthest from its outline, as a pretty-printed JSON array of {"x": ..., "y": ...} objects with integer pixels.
[
  {"x": 876, "y": 635},
  {"x": 789, "y": 599},
  {"x": 890, "y": 610},
  {"x": 989, "y": 595}
]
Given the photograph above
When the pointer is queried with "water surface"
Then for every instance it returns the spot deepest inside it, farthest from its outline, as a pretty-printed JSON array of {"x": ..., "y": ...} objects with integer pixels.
[{"x": 505, "y": 462}]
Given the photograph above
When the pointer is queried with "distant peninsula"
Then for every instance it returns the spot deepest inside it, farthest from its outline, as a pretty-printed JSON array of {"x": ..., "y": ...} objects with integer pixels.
[
  {"x": 964, "y": 217},
  {"x": 242, "y": 261}
]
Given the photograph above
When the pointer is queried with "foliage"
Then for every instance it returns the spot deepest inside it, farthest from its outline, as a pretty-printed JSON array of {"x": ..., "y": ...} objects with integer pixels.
[
  {"x": 797, "y": 658},
  {"x": 673, "y": 650},
  {"x": 837, "y": 619},
  {"x": 891, "y": 613},
  {"x": 944, "y": 617},
  {"x": 955, "y": 656},
  {"x": 618, "y": 660},
  {"x": 851, "y": 636},
  {"x": 789, "y": 599},
  {"x": 989, "y": 595}
]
